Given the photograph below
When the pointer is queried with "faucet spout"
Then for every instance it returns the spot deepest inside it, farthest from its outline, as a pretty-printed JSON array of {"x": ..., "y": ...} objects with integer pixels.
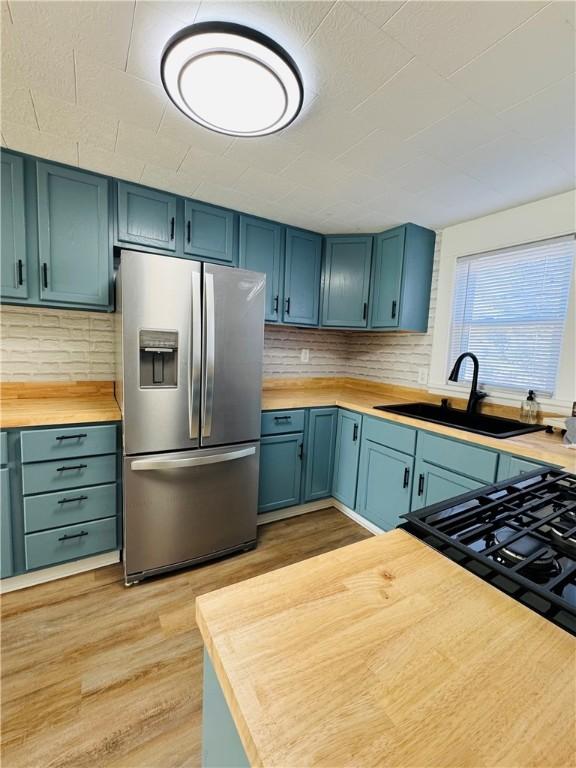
[{"x": 475, "y": 394}]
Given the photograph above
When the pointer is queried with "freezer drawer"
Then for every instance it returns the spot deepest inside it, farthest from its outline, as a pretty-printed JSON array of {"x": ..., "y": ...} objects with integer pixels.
[{"x": 185, "y": 507}]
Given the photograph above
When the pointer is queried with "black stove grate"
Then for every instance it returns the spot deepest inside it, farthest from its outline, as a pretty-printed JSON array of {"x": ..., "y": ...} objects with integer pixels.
[{"x": 519, "y": 535}]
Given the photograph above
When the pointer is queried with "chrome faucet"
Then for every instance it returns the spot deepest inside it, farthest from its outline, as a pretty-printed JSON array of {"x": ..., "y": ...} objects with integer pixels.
[{"x": 475, "y": 395}]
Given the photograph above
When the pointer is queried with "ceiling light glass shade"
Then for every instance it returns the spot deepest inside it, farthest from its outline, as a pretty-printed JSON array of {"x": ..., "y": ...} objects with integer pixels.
[{"x": 231, "y": 79}]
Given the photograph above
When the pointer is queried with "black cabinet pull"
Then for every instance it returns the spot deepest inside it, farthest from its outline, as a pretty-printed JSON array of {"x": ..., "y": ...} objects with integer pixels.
[
  {"x": 301, "y": 452},
  {"x": 20, "y": 268},
  {"x": 355, "y": 433},
  {"x": 364, "y": 311},
  {"x": 188, "y": 231},
  {"x": 69, "y": 469},
  {"x": 79, "y": 436},
  {"x": 394, "y": 308},
  {"x": 70, "y": 501},
  {"x": 282, "y": 418},
  {"x": 45, "y": 275},
  {"x": 288, "y": 305},
  {"x": 276, "y": 301},
  {"x": 66, "y": 536},
  {"x": 420, "y": 485},
  {"x": 172, "y": 228},
  {"x": 406, "y": 478}
]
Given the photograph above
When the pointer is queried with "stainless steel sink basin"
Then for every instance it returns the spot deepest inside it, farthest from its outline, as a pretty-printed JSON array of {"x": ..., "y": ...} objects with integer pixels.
[{"x": 479, "y": 423}]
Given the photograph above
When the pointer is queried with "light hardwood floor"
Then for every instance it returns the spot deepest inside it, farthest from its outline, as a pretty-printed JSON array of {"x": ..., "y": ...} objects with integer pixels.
[{"x": 95, "y": 674}]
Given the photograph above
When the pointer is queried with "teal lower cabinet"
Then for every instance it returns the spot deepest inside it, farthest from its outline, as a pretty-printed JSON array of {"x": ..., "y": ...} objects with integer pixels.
[
  {"x": 280, "y": 471},
  {"x": 320, "y": 443},
  {"x": 346, "y": 457},
  {"x": 433, "y": 484},
  {"x": 6, "y": 557},
  {"x": 384, "y": 484},
  {"x": 58, "y": 511},
  {"x": 221, "y": 745},
  {"x": 512, "y": 466}
]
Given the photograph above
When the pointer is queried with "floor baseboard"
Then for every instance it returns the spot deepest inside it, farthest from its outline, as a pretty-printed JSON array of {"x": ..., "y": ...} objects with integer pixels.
[{"x": 58, "y": 572}]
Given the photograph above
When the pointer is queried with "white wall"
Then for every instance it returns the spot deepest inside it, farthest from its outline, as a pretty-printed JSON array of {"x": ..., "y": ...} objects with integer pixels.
[{"x": 551, "y": 217}]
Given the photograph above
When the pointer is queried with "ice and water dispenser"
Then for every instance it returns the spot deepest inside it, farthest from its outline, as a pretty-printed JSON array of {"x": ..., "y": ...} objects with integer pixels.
[{"x": 158, "y": 358}]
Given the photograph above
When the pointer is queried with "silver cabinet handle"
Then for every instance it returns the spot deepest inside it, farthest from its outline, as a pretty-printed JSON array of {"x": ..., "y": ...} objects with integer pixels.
[
  {"x": 194, "y": 359},
  {"x": 190, "y": 461},
  {"x": 209, "y": 352}
]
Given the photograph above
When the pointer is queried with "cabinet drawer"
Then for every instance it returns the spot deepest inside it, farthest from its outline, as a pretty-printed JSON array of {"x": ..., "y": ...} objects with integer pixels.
[
  {"x": 51, "y": 510},
  {"x": 279, "y": 422},
  {"x": 46, "y": 444},
  {"x": 469, "y": 460},
  {"x": 393, "y": 435},
  {"x": 69, "y": 543},
  {"x": 68, "y": 473},
  {"x": 3, "y": 449}
]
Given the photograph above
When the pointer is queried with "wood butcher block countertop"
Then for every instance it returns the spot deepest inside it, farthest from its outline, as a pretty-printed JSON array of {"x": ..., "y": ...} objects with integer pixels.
[
  {"x": 386, "y": 653},
  {"x": 40, "y": 404}
]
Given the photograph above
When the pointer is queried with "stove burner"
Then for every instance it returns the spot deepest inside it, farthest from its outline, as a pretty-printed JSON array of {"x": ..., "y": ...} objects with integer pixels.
[{"x": 521, "y": 550}]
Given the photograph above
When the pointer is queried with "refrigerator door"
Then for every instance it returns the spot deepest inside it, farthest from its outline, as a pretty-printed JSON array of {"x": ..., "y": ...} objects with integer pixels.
[
  {"x": 232, "y": 354},
  {"x": 161, "y": 328},
  {"x": 183, "y": 508}
]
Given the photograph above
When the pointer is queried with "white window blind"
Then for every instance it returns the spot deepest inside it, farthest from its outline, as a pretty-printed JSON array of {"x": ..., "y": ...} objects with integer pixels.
[{"x": 510, "y": 310}]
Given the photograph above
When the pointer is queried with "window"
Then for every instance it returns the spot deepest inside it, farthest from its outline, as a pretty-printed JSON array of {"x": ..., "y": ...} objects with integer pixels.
[{"x": 510, "y": 310}]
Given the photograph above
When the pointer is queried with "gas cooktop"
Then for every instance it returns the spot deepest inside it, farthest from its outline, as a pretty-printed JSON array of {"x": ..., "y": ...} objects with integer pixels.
[{"x": 519, "y": 535}]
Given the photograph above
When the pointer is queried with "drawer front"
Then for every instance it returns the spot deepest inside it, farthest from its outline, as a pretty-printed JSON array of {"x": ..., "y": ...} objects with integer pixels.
[
  {"x": 469, "y": 460},
  {"x": 46, "y": 444},
  {"x": 51, "y": 510},
  {"x": 68, "y": 473},
  {"x": 392, "y": 435},
  {"x": 280, "y": 422},
  {"x": 69, "y": 543},
  {"x": 3, "y": 449}
]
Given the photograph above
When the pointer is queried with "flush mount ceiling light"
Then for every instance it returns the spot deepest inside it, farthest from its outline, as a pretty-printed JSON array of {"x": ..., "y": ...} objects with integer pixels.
[{"x": 231, "y": 79}]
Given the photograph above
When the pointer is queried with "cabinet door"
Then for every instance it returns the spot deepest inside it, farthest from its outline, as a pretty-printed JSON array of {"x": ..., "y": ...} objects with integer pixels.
[
  {"x": 346, "y": 456},
  {"x": 346, "y": 281},
  {"x": 302, "y": 277},
  {"x": 6, "y": 558},
  {"x": 13, "y": 262},
  {"x": 384, "y": 484},
  {"x": 434, "y": 484},
  {"x": 387, "y": 279},
  {"x": 209, "y": 232},
  {"x": 146, "y": 217},
  {"x": 512, "y": 466},
  {"x": 280, "y": 471},
  {"x": 322, "y": 424},
  {"x": 73, "y": 236},
  {"x": 260, "y": 249}
]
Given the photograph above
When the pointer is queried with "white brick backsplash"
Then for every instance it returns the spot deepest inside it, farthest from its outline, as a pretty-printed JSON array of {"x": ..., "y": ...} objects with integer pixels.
[{"x": 70, "y": 345}]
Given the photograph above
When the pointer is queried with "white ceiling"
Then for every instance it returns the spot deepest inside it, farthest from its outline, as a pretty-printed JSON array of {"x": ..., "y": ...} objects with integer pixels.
[{"x": 432, "y": 112}]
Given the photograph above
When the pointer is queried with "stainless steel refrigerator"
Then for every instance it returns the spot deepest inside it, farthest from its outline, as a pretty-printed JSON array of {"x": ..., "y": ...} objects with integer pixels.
[{"x": 190, "y": 339}]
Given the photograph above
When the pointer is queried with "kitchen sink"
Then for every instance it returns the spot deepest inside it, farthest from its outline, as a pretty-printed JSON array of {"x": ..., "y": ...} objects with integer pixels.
[{"x": 481, "y": 424}]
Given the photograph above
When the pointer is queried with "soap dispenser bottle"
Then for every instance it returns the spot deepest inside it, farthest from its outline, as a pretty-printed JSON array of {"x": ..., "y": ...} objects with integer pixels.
[{"x": 529, "y": 408}]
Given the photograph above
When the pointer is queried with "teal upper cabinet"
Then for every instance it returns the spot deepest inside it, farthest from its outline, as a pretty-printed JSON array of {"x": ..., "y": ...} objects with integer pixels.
[
  {"x": 260, "y": 249},
  {"x": 401, "y": 278},
  {"x": 302, "y": 277},
  {"x": 73, "y": 236},
  {"x": 14, "y": 272},
  {"x": 322, "y": 424},
  {"x": 384, "y": 484},
  {"x": 346, "y": 455},
  {"x": 146, "y": 217},
  {"x": 209, "y": 232},
  {"x": 346, "y": 281}
]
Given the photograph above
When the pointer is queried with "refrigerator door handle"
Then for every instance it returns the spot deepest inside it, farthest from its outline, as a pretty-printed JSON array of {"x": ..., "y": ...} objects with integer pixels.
[
  {"x": 194, "y": 359},
  {"x": 209, "y": 353},
  {"x": 191, "y": 461}
]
